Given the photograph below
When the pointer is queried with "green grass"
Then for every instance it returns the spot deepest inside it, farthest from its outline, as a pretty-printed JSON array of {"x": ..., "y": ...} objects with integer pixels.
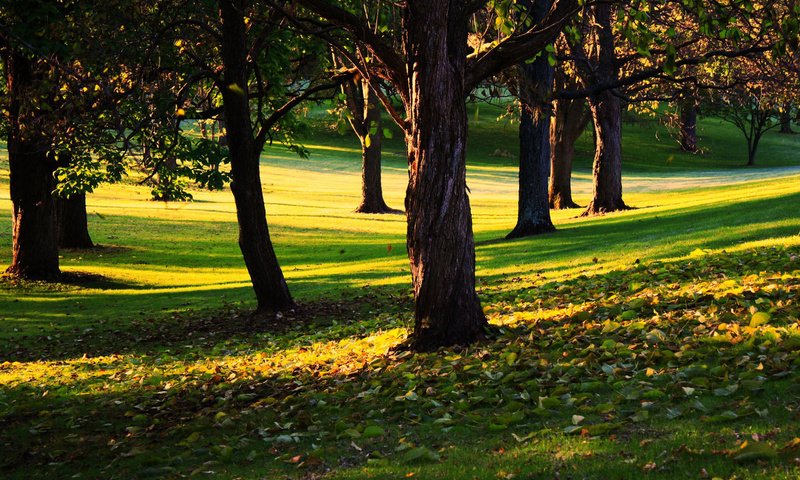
[{"x": 624, "y": 346}]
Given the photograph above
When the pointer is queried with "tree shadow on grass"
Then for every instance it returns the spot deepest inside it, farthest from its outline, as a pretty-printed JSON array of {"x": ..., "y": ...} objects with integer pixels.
[
  {"x": 166, "y": 415},
  {"x": 644, "y": 234},
  {"x": 202, "y": 330}
]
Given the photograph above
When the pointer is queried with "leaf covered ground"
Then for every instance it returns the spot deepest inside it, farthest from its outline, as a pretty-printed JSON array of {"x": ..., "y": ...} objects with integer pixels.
[
  {"x": 681, "y": 369},
  {"x": 661, "y": 342}
]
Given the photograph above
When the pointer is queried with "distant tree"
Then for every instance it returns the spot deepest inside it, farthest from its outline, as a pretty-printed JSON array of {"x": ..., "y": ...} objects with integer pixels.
[
  {"x": 786, "y": 111},
  {"x": 570, "y": 119},
  {"x": 687, "y": 125},
  {"x": 758, "y": 88},
  {"x": 624, "y": 50},
  {"x": 749, "y": 109},
  {"x": 366, "y": 122}
]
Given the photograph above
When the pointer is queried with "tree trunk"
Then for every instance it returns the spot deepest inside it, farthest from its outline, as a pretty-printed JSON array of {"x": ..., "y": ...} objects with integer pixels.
[
  {"x": 535, "y": 88},
  {"x": 254, "y": 240},
  {"x": 73, "y": 229},
  {"x": 371, "y": 135},
  {"x": 607, "y": 166},
  {"x": 31, "y": 180},
  {"x": 440, "y": 243},
  {"x": 786, "y": 119},
  {"x": 688, "y": 127},
  {"x": 752, "y": 148},
  {"x": 607, "y": 116},
  {"x": 570, "y": 119}
]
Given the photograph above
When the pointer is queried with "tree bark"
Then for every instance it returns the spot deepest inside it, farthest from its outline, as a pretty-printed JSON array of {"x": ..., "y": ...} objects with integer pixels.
[
  {"x": 688, "y": 126},
  {"x": 73, "y": 228},
  {"x": 370, "y": 133},
  {"x": 607, "y": 116},
  {"x": 535, "y": 88},
  {"x": 440, "y": 242},
  {"x": 570, "y": 118},
  {"x": 269, "y": 284},
  {"x": 31, "y": 180},
  {"x": 607, "y": 166},
  {"x": 786, "y": 119}
]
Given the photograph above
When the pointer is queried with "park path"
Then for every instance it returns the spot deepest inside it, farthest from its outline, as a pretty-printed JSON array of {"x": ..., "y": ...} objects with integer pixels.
[
  {"x": 689, "y": 180},
  {"x": 501, "y": 181}
]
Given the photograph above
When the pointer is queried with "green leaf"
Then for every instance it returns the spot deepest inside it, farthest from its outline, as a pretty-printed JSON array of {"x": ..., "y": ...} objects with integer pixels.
[
  {"x": 511, "y": 358},
  {"x": 373, "y": 431},
  {"x": 760, "y": 318},
  {"x": 755, "y": 451},
  {"x": 420, "y": 454}
]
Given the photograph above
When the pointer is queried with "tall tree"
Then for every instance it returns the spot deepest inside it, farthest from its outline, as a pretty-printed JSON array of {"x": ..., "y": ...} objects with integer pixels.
[
  {"x": 239, "y": 52},
  {"x": 570, "y": 118},
  {"x": 245, "y": 150},
  {"x": 535, "y": 84},
  {"x": 606, "y": 114},
  {"x": 31, "y": 167},
  {"x": 62, "y": 86},
  {"x": 433, "y": 76}
]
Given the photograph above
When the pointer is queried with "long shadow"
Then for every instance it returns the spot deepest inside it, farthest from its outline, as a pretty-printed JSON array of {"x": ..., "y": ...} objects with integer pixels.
[
  {"x": 330, "y": 319},
  {"x": 674, "y": 233},
  {"x": 576, "y": 241}
]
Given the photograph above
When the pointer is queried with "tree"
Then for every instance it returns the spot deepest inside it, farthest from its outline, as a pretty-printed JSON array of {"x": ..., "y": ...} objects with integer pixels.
[
  {"x": 757, "y": 88},
  {"x": 73, "y": 222},
  {"x": 687, "y": 125},
  {"x": 786, "y": 118},
  {"x": 365, "y": 120},
  {"x": 31, "y": 166},
  {"x": 535, "y": 84},
  {"x": 62, "y": 89},
  {"x": 245, "y": 150},
  {"x": 433, "y": 76},
  {"x": 749, "y": 109},
  {"x": 599, "y": 65},
  {"x": 622, "y": 50},
  {"x": 239, "y": 52},
  {"x": 570, "y": 118}
]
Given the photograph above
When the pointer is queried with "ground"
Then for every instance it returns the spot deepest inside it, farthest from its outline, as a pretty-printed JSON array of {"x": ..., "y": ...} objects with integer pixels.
[{"x": 662, "y": 342}]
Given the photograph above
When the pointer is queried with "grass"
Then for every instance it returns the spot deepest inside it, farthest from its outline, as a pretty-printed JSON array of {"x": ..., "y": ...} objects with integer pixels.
[{"x": 630, "y": 345}]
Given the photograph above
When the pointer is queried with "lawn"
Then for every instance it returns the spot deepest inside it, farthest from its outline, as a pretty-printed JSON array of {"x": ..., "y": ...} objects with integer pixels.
[{"x": 661, "y": 342}]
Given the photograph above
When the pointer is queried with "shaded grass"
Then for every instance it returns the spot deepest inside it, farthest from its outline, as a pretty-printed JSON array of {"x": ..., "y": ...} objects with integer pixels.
[{"x": 622, "y": 374}]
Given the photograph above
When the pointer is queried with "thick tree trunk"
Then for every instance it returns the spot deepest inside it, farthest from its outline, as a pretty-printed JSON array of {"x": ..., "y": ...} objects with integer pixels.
[
  {"x": 440, "y": 241},
  {"x": 607, "y": 116},
  {"x": 254, "y": 240},
  {"x": 31, "y": 180},
  {"x": 607, "y": 166},
  {"x": 371, "y": 135},
  {"x": 570, "y": 119},
  {"x": 786, "y": 119},
  {"x": 535, "y": 88},
  {"x": 688, "y": 127},
  {"x": 73, "y": 225}
]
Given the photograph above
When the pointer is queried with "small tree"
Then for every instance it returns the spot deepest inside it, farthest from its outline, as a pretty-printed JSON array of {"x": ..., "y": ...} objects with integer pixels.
[{"x": 749, "y": 109}]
